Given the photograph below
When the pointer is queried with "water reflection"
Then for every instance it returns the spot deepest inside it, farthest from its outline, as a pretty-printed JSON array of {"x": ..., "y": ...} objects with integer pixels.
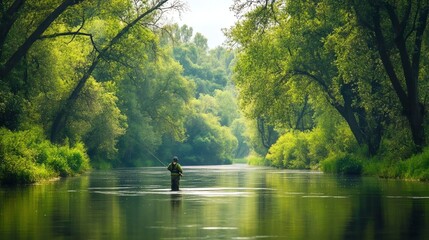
[
  {"x": 176, "y": 204},
  {"x": 216, "y": 202}
]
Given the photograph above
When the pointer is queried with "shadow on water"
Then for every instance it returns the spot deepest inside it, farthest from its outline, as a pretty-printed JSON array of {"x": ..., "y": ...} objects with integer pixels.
[
  {"x": 366, "y": 219},
  {"x": 376, "y": 214}
]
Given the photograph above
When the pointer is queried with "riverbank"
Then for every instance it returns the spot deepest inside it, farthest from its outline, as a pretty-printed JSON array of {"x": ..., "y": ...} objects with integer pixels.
[
  {"x": 27, "y": 157},
  {"x": 415, "y": 168}
]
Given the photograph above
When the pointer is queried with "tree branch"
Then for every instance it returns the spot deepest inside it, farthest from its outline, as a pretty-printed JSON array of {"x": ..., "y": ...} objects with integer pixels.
[
  {"x": 388, "y": 65},
  {"x": 60, "y": 119},
  {"x": 323, "y": 85},
  {"x": 74, "y": 34},
  {"x": 420, "y": 29},
  {"x": 8, "y": 19},
  {"x": 23, "y": 49}
]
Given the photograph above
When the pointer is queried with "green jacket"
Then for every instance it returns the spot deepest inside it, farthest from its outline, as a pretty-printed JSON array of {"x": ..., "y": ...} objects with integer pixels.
[{"x": 175, "y": 169}]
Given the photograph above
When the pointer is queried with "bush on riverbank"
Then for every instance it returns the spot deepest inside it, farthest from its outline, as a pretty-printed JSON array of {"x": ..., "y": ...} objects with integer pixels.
[
  {"x": 413, "y": 168},
  {"x": 27, "y": 157},
  {"x": 256, "y": 160},
  {"x": 342, "y": 164}
]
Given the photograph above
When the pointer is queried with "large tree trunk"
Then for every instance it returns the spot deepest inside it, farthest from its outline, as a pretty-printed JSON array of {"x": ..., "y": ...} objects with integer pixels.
[
  {"x": 267, "y": 133},
  {"x": 60, "y": 120},
  {"x": 8, "y": 19},
  {"x": 363, "y": 133},
  {"x": 409, "y": 98},
  {"x": 355, "y": 118}
]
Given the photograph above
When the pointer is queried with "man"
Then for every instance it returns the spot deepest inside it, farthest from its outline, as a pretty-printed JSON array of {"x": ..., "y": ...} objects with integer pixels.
[{"x": 176, "y": 172}]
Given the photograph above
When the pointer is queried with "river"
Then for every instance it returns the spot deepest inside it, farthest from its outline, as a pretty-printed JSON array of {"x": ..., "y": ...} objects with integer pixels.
[{"x": 216, "y": 202}]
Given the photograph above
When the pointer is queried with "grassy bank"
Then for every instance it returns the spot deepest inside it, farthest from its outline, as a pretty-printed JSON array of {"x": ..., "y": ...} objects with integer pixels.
[
  {"x": 413, "y": 168},
  {"x": 257, "y": 161},
  {"x": 27, "y": 157}
]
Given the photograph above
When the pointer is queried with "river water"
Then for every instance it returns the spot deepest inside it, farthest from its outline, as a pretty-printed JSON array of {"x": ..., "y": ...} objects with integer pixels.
[{"x": 216, "y": 202}]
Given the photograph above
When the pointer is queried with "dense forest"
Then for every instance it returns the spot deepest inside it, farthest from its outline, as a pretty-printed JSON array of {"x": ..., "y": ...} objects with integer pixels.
[{"x": 340, "y": 86}]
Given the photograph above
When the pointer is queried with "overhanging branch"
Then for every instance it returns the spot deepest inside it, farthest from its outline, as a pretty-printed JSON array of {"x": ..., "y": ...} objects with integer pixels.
[{"x": 74, "y": 34}]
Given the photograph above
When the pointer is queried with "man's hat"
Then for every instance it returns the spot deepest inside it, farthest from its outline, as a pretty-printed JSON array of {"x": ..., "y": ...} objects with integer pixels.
[{"x": 175, "y": 159}]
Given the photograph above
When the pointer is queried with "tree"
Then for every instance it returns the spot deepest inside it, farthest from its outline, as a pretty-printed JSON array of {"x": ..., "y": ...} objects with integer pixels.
[
  {"x": 198, "y": 64},
  {"x": 285, "y": 54},
  {"x": 209, "y": 136},
  {"x": 61, "y": 117},
  {"x": 22, "y": 23},
  {"x": 154, "y": 98},
  {"x": 10, "y": 16},
  {"x": 398, "y": 29},
  {"x": 207, "y": 141},
  {"x": 71, "y": 78}
]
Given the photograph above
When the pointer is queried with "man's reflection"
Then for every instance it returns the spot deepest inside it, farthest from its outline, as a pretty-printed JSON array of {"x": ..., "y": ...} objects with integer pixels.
[{"x": 176, "y": 204}]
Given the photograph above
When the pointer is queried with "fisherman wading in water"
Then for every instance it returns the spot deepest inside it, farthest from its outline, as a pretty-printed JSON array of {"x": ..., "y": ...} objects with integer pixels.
[{"x": 176, "y": 172}]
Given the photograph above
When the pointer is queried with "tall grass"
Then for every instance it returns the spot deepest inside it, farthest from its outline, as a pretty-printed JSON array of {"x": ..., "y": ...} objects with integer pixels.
[
  {"x": 344, "y": 164},
  {"x": 257, "y": 161},
  {"x": 413, "y": 168}
]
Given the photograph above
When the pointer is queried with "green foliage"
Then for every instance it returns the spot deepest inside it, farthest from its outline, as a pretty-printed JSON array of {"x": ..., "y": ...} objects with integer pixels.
[
  {"x": 108, "y": 123},
  {"x": 417, "y": 167},
  {"x": 212, "y": 132},
  {"x": 413, "y": 168},
  {"x": 210, "y": 143},
  {"x": 27, "y": 157},
  {"x": 154, "y": 97},
  {"x": 305, "y": 150},
  {"x": 256, "y": 160},
  {"x": 64, "y": 160},
  {"x": 292, "y": 150},
  {"x": 252, "y": 136},
  {"x": 11, "y": 107},
  {"x": 238, "y": 128},
  {"x": 135, "y": 101},
  {"x": 36, "y": 91},
  {"x": 207, "y": 69},
  {"x": 342, "y": 163},
  {"x": 298, "y": 58},
  {"x": 239, "y": 161}
]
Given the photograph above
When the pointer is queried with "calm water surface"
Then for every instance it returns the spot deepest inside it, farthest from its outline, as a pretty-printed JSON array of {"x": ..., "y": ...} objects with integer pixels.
[{"x": 216, "y": 202}]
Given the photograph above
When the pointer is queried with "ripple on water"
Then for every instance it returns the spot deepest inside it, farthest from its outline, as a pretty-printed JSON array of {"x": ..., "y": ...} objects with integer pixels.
[
  {"x": 324, "y": 196},
  {"x": 204, "y": 192},
  {"x": 408, "y": 197}
]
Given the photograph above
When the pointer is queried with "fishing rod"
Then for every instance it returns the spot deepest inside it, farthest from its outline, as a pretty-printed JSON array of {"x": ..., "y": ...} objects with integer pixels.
[
  {"x": 155, "y": 156},
  {"x": 158, "y": 158}
]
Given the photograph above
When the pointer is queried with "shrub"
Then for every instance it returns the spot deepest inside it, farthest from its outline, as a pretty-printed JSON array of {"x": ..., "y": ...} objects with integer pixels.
[
  {"x": 292, "y": 150},
  {"x": 256, "y": 160},
  {"x": 417, "y": 167},
  {"x": 342, "y": 164},
  {"x": 27, "y": 157},
  {"x": 413, "y": 168},
  {"x": 14, "y": 169}
]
